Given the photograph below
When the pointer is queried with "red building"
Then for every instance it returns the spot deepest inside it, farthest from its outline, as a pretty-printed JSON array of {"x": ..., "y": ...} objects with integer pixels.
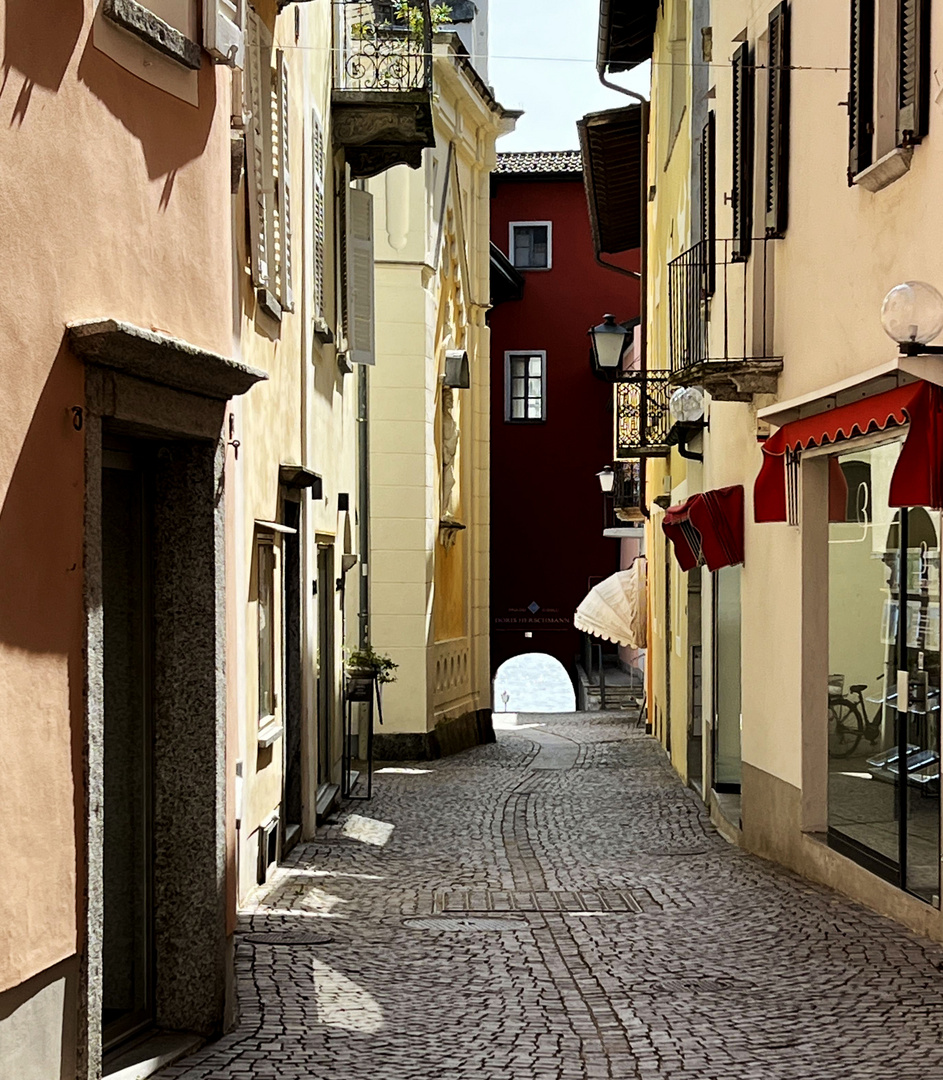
[{"x": 551, "y": 417}]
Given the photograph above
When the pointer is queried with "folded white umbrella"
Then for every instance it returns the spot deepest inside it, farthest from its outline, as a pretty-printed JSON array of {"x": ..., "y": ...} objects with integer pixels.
[{"x": 617, "y": 609}]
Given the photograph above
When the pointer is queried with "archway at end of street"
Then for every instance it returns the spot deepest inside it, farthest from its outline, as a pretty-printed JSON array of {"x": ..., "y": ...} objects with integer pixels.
[{"x": 533, "y": 682}]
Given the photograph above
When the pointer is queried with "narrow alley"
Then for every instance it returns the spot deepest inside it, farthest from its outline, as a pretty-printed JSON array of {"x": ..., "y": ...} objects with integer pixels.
[{"x": 555, "y": 907}]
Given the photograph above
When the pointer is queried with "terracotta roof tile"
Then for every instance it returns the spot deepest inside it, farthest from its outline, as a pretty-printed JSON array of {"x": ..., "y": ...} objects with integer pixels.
[{"x": 540, "y": 162}]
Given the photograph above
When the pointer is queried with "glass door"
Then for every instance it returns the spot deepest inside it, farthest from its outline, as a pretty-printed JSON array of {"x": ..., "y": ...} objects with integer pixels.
[
  {"x": 920, "y": 648},
  {"x": 884, "y": 681},
  {"x": 727, "y": 661}
]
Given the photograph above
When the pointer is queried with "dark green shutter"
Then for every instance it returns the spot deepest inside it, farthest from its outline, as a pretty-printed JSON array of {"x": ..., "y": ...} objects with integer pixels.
[
  {"x": 708, "y": 198},
  {"x": 861, "y": 88},
  {"x": 913, "y": 78},
  {"x": 777, "y": 123},
  {"x": 743, "y": 112}
]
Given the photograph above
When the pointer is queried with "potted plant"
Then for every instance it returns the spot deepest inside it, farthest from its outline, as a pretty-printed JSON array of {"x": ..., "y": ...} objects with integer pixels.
[{"x": 367, "y": 663}]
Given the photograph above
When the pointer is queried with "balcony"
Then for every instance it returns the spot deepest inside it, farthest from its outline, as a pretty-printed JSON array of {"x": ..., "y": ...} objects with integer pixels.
[
  {"x": 722, "y": 320},
  {"x": 382, "y": 98},
  {"x": 643, "y": 422}
]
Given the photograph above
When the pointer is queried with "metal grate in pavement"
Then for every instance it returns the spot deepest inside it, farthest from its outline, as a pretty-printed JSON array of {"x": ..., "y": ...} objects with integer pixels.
[
  {"x": 287, "y": 938},
  {"x": 549, "y": 902},
  {"x": 453, "y": 924}
]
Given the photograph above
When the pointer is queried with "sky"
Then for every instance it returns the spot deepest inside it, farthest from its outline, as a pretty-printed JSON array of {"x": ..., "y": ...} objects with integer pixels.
[{"x": 543, "y": 60}]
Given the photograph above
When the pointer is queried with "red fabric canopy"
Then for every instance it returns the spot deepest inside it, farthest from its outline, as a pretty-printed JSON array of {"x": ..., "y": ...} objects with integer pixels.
[
  {"x": 707, "y": 528},
  {"x": 918, "y": 475}
]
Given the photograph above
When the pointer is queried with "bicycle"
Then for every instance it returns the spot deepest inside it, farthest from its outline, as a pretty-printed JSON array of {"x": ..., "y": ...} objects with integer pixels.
[{"x": 848, "y": 721}]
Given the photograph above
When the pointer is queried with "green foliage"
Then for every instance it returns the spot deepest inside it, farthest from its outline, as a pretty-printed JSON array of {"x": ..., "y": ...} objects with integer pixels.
[
  {"x": 372, "y": 662},
  {"x": 411, "y": 15}
]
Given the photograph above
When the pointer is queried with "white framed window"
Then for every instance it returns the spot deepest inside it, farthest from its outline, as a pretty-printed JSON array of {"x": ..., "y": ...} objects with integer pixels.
[
  {"x": 525, "y": 387},
  {"x": 530, "y": 245},
  {"x": 320, "y": 215},
  {"x": 268, "y": 681}
]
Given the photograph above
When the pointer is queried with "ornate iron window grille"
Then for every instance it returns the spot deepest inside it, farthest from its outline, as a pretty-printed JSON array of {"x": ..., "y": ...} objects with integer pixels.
[
  {"x": 642, "y": 417},
  {"x": 384, "y": 46}
]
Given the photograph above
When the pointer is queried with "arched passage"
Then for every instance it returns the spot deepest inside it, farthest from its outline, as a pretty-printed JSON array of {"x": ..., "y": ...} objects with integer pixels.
[{"x": 533, "y": 682}]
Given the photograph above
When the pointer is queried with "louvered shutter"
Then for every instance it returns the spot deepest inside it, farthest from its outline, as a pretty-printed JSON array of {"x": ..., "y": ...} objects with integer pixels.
[
  {"x": 320, "y": 213},
  {"x": 743, "y": 90},
  {"x": 913, "y": 80},
  {"x": 861, "y": 88},
  {"x": 708, "y": 198},
  {"x": 285, "y": 294},
  {"x": 258, "y": 159},
  {"x": 777, "y": 123},
  {"x": 360, "y": 329},
  {"x": 224, "y": 30}
]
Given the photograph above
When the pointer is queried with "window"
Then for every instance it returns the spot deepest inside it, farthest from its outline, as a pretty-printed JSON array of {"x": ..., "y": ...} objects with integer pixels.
[
  {"x": 172, "y": 27},
  {"x": 320, "y": 216},
  {"x": 268, "y": 171},
  {"x": 889, "y": 88},
  {"x": 530, "y": 244},
  {"x": 777, "y": 122},
  {"x": 708, "y": 198},
  {"x": 743, "y": 81},
  {"x": 266, "y": 570},
  {"x": 525, "y": 382}
]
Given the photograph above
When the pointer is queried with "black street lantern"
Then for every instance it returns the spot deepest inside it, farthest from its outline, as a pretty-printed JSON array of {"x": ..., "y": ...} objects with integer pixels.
[{"x": 609, "y": 343}]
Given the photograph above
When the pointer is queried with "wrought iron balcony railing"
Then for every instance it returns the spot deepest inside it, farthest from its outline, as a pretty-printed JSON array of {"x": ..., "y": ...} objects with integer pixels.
[
  {"x": 628, "y": 490},
  {"x": 384, "y": 46},
  {"x": 642, "y": 417},
  {"x": 382, "y": 98},
  {"x": 722, "y": 320}
]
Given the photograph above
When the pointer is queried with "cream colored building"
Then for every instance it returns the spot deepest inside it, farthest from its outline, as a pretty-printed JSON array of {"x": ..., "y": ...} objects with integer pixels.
[
  {"x": 429, "y": 459},
  {"x": 789, "y": 686}
]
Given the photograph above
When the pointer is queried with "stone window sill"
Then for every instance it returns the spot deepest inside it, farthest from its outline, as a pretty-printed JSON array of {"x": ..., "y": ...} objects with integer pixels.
[
  {"x": 269, "y": 733},
  {"x": 153, "y": 31},
  {"x": 886, "y": 169}
]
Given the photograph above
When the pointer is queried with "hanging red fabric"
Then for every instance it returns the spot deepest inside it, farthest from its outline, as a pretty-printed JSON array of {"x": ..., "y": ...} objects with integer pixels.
[
  {"x": 707, "y": 528},
  {"x": 918, "y": 475}
]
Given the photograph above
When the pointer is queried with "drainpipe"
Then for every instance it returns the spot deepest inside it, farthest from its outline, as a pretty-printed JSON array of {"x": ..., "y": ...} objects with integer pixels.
[
  {"x": 363, "y": 487},
  {"x": 642, "y": 276}
]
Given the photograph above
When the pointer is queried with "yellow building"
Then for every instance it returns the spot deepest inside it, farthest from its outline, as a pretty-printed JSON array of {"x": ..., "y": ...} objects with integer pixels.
[
  {"x": 429, "y": 417},
  {"x": 796, "y": 663}
]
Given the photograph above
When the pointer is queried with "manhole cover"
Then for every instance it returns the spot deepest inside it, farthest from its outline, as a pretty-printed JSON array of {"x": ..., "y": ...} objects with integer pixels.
[
  {"x": 299, "y": 938},
  {"x": 453, "y": 924}
]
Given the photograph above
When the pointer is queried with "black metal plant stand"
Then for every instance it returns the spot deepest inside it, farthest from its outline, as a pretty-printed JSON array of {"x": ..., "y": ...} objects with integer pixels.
[{"x": 359, "y": 689}]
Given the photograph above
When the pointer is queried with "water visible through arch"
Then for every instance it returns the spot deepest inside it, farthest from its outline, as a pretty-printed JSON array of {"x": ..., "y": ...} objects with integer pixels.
[{"x": 533, "y": 682}]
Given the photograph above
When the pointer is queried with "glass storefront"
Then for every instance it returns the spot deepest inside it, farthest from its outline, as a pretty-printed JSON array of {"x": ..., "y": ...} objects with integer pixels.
[
  {"x": 727, "y": 664},
  {"x": 884, "y": 681}
]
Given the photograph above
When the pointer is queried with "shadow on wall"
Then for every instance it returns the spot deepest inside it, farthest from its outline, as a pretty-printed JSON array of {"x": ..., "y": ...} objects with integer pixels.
[
  {"x": 533, "y": 682},
  {"x": 171, "y": 132},
  {"x": 41, "y": 613},
  {"x": 39, "y": 37}
]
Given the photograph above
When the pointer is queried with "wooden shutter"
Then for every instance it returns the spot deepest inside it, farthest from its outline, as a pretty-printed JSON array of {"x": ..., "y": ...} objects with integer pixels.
[
  {"x": 224, "y": 30},
  {"x": 913, "y": 79},
  {"x": 861, "y": 88},
  {"x": 708, "y": 199},
  {"x": 743, "y": 112},
  {"x": 258, "y": 156},
  {"x": 777, "y": 123},
  {"x": 360, "y": 329},
  {"x": 283, "y": 203},
  {"x": 320, "y": 213}
]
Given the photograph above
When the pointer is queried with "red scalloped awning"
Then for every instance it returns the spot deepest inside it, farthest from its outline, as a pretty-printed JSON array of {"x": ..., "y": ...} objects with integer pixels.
[
  {"x": 707, "y": 528},
  {"x": 918, "y": 476}
]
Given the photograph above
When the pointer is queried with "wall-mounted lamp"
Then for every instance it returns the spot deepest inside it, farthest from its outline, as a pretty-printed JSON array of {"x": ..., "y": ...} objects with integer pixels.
[
  {"x": 912, "y": 315},
  {"x": 686, "y": 408},
  {"x": 607, "y": 479},
  {"x": 457, "y": 373},
  {"x": 610, "y": 341}
]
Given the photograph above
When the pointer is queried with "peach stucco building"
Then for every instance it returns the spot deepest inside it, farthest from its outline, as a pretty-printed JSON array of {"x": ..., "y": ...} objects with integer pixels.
[{"x": 117, "y": 350}]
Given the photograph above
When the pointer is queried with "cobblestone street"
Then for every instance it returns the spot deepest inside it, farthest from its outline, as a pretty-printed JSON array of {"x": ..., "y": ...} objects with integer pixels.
[{"x": 555, "y": 907}]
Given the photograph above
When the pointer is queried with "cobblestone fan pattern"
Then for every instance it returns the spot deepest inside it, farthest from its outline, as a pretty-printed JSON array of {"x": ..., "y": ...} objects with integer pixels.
[{"x": 548, "y": 915}]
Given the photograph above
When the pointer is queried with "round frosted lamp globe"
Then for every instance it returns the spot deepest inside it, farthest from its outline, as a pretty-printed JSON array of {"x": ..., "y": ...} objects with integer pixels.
[{"x": 912, "y": 312}]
